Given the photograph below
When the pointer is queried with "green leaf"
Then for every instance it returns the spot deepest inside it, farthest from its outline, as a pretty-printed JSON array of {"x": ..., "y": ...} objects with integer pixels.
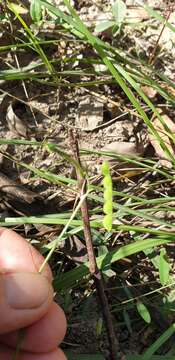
[
  {"x": 104, "y": 25},
  {"x": 116, "y": 29},
  {"x": 107, "y": 271},
  {"x": 164, "y": 267},
  {"x": 107, "y": 222},
  {"x": 70, "y": 278},
  {"x": 102, "y": 250},
  {"x": 119, "y": 11},
  {"x": 35, "y": 10},
  {"x": 143, "y": 312}
]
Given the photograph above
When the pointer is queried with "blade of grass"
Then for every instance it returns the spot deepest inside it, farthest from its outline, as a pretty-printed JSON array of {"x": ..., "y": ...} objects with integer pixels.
[
  {"x": 113, "y": 70},
  {"x": 158, "y": 343},
  {"x": 136, "y": 160},
  {"x": 143, "y": 68},
  {"x": 33, "y": 38},
  {"x": 72, "y": 277},
  {"x": 60, "y": 237},
  {"x": 155, "y": 14},
  {"x": 127, "y": 210},
  {"x": 9, "y": 221},
  {"x": 94, "y": 223}
]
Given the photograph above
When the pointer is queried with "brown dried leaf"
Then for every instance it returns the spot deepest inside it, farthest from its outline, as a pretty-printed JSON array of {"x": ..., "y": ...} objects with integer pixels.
[
  {"x": 137, "y": 14},
  {"x": 123, "y": 148},
  {"x": 16, "y": 124},
  {"x": 162, "y": 132},
  {"x": 74, "y": 249}
]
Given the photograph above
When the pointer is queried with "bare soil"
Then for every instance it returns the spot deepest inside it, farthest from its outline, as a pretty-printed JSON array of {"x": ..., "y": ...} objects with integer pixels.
[{"x": 101, "y": 116}]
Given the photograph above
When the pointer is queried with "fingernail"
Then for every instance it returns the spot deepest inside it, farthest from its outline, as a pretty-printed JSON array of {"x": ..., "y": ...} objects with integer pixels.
[{"x": 26, "y": 290}]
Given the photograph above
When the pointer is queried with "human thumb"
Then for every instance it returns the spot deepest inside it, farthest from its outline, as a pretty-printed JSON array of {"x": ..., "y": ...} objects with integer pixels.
[{"x": 24, "y": 298}]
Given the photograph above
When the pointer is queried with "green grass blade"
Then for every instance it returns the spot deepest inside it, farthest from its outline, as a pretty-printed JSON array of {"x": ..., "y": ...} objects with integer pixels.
[
  {"x": 115, "y": 73},
  {"x": 57, "y": 241},
  {"x": 31, "y": 37},
  {"x": 159, "y": 342},
  {"x": 70, "y": 279},
  {"x": 128, "y": 210},
  {"x": 159, "y": 17},
  {"x": 9, "y": 221}
]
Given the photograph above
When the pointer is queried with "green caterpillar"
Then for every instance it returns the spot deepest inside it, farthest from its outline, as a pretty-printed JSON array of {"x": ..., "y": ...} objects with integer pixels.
[{"x": 107, "y": 194}]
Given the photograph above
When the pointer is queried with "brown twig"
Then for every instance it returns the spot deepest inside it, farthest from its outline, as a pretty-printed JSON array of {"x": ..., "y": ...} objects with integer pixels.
[
  {"x": 93, "y": 268},
  {"x": 153, "y": 55}
]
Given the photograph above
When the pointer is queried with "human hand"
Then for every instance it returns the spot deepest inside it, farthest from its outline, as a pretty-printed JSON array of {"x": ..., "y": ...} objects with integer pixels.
[{"x": 26, "y": 301}]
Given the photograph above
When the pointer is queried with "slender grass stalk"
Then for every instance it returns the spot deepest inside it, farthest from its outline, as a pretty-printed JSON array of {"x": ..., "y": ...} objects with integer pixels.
[
  {"x": 158, "y": 343},
  {"x": 32, "y": 38},
  {"x": 60, "y": 237},
  {"x": 70, "y": 279}
]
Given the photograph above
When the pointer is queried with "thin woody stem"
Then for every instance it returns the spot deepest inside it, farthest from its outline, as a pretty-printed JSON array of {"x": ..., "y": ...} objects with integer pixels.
[
  {"x": 153, "y": 55},
  {"x": 93, "y": 268}
]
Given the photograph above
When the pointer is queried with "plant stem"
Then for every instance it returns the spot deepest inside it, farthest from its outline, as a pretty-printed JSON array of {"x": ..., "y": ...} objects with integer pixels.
[
  {"x": 93, "y": 268},
  {"x": 153, "y": 55}
]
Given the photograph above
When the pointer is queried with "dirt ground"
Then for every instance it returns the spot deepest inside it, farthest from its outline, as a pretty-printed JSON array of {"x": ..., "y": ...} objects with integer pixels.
[{"x": 102, "y": 116}]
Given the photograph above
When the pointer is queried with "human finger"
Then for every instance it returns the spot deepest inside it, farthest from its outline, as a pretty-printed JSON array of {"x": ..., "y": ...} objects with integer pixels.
[
  {"x": 7, "y": 354},
  {"x": 42, "y": 336},
  {"x": 18, "y": 255},
  {"x": 24, "y": 299}
]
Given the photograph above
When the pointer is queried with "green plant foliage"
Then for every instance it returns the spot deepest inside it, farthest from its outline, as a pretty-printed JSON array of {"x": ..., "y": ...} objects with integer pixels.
[
  {"x": 107, "y": 207},
  {"x": 158, "y": 343},
  {"x": 18, "y": 8},
  {"x": 35, "y": 10},
  {"x": 130, "y": 74},
  {"x": 69, "y": 279},
  {"x": 31, "y": 37},
  {"x": 119, "y": 12},
  {"x": 104, "y": 25},
  {"x": 143, "y": 312},
  {"x": 164, "y": 267},
  {"x": 107, "y": 271},
  {"x": 127, "y": 320}
]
